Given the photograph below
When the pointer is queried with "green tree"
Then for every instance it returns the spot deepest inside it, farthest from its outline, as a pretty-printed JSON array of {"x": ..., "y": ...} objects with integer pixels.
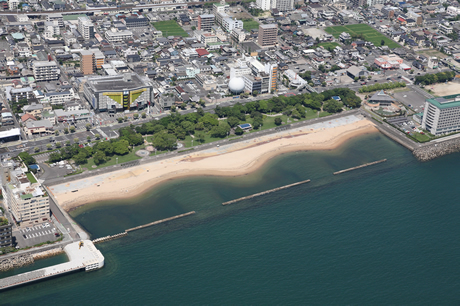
[
  {"x": 98, "y": 136},
  {"x": 67, "y": 143},
  {"x": 221, "y": 130},
  {"x": 76, "y": 140},
  {"x": 136, "y": 116},
  {"x": 99, "y": 157},
  {"x": 56, "y": 133},
  {"x": 27, "y": 158},
  {"x": 120, "y": 120},
  {"x": 72, "y": 129},
  {"x": 382, "y": 42},
  {"x": 278, "y": 121},
  {"x": 49, "y": 146},
  {"x": 80, "y": 158},
  {"x": 54, "y": 157},
  {"x": 333, "y": 106},
  {"x": 121, "y": 147},
  {"x": 164, "y": 141},
  {"x": 143, "y": 115},
  {"x": 58, "y": 144},
  {"x": 239, "y": 131},
  {"x": 88, "y": 126},
  {"x": 88, "y": 138},
  {"x": 233, "y": 121},
  {"x": 66, "y": 131},
  {"x": 200, "y": 137},
  {"x": 37, "y": 149}
]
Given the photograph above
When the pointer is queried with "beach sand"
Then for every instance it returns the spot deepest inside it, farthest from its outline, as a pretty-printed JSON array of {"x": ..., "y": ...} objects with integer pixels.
[{"x": 235, "y": 159}]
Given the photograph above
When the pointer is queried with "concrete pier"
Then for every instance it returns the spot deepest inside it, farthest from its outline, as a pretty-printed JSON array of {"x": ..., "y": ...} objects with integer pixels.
[
  {"x": 160, "y": 221},
  {"x": 361, "y": 166},
  {"x": 265, "y": 192},
  {"x": 81, "y": 257},
  {"x": 110, "y": 237}
]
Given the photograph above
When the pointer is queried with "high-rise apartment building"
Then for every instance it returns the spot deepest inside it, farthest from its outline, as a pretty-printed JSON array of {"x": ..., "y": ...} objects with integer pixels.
[
  {"x": 267, "y": 35},
  {"x": 26, "y": 198},
  {"x": 45, "y": 71},
  {"x": 87, "y": 62},
  {"x": 85, "y": 27},
  {"x": 206, "y": 22},
  {"x": 284, "y": 5},
  {"x": 264, "y": 4},
  {"x": 442, "y": 115}
]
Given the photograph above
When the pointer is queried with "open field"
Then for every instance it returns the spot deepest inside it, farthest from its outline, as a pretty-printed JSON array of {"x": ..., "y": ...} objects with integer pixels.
[
  {"x": 432, "y": 53},
  {"x": 170, "y": 28},
  {"x": 368, "y": 32},
  {"x": 248, "y": 25},
  {"x": 444, "y": 89}
]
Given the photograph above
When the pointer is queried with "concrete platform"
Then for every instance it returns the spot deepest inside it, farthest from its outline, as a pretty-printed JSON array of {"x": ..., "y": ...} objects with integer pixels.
[{"x": 87, "y": 257}]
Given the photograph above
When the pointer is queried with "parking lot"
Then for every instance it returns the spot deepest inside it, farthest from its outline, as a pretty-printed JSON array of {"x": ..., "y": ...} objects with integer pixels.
[
  {"x": 412, "y": 99},
  {"x": 36, "y": 234}
]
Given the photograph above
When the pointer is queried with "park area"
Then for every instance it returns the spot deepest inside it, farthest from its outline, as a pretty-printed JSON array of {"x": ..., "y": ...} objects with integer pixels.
[
  {"x": 368, "y": 33},
  {"x": 169, "y": 28}
]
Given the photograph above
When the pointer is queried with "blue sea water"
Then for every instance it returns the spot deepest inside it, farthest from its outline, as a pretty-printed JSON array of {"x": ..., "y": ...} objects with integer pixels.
[{"x": 385, "y": 234}]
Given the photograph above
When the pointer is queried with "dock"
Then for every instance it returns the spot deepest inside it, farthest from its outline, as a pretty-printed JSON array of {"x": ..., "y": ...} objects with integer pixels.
[
  {"x": 361, "y": 166},
  {"x": 265, "y": 192},
  {"x": 82, "y": 256}
]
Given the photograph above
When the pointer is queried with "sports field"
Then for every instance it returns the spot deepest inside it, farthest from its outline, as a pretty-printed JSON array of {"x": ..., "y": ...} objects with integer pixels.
[
  {"x": 170, "y": 28},
  {"x": 369, "y": 33}
]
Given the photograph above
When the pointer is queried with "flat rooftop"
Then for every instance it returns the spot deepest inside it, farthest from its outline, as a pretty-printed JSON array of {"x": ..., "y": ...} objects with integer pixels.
[
  {"x": 118, "y": 82},
  {"x": 446, "y": 101}
]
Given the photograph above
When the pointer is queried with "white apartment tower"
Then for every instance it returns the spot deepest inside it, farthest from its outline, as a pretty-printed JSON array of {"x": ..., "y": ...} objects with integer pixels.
[
  {"x": 85, "y": 27},
  {"x": 284, "y": 5}
]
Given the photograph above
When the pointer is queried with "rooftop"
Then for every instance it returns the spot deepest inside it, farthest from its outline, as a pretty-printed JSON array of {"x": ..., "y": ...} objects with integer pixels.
[
  {"x": 446, "y": 101},
  {"x": 118, "y": 82}
]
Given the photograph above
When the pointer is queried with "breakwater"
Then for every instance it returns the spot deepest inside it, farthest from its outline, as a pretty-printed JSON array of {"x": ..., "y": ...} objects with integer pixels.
[
  {"x": 437, "y": 149},
  {"x": 48, "y": 253},
  {"x": 360, "y": 166},
  {"x": 109, "y": 237},
  {"x": 16, "y": 262},
  {"x": 160, "y": 221},
  {"x": 265, "y": 192}
]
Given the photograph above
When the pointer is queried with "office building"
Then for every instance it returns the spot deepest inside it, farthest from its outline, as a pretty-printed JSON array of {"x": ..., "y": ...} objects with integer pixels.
[
  {"x": 267, "y": 35},
  {"x": 23, "y": 195},
  {"x": 118, "y": 93},
  {"x": 205, "y": 22},
  {"x": 442, "y": 115},
  {"x": 87, "y": 62},
  {"x": 85, "y": 27},
  {"x": 45, "y": 71}
]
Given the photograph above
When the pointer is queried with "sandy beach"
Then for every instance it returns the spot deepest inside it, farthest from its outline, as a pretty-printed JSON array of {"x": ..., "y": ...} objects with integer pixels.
[{"x": 226, "y": 160}]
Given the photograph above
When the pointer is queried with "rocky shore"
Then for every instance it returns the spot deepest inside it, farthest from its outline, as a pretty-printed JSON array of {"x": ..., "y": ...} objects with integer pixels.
[
  {"x": 436, "y": 150},
  {"x": 16, "y": 262},
  {"x": 48, "y": 253}
]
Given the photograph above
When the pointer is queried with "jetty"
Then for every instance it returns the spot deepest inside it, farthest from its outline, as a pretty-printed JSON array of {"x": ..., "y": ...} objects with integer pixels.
[
  {"x": 360, "y": 166},
  {"x": 82, "y": 255},
  {"x": 265, "y": 192},
  {"x": 159, "y": 221},
  {"x": 109, "y": 237}
]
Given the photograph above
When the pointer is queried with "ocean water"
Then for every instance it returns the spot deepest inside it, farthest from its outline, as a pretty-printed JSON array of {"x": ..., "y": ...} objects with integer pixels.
[{"x": 385, "y": 234}]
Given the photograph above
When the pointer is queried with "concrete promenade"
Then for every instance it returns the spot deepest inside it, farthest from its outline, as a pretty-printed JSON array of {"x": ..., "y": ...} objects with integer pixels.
[{"x": 85, "y": 257}]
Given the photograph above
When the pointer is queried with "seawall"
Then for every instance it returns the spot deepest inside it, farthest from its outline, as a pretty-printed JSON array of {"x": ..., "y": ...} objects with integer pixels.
[{"x": 437, "y": 149}]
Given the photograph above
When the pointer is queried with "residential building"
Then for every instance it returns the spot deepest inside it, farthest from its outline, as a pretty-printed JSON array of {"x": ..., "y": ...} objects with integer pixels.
[
  {"x": 433, "y": 62},
  {"x": 23, "y": 195},
  {"x": 284, "y": 5},
  {"x": 60, "y": 97},
  {"x": 208, "y": 82},
  {"x": 139, "y": 22},
  {"x": 87, "y": 62},
  {"x": 85, "y": 28},
  {"x": 218, "y": 10},
  {"x": 118, "y": 93},
  {"x": 238, "y": 35},
  {"x": 371, "y": 3},
  {"x": 16, "y": 94},
  {"x": 207, "y": 38},
  {"x": 442, "y": 115},
  {"x": 13, "y": 5},
  {"x": 445, "y": 28},
  {"x": 56, "y": 17},
  {"x": 267, "y": 35},
  {"x": 99, "y": 58},
  {"x": 51, "y": 29},
  {"x": 206, "y": 22},
  {"x": 264, "y": 4},
  {"x": 114, "y": 36},
  {"x": 229, "y": 24},
  {"x": 45, "y": 71},
  {"x": 6, "y": 233}
]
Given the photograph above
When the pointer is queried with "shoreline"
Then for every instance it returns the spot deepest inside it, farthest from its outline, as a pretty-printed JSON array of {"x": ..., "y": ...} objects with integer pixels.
[{"x": 230, "y": 160}]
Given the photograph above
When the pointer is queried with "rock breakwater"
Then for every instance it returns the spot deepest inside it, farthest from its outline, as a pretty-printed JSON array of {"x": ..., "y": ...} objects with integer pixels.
[
  {"x": 436, "y": 150},
  {"x": 48, "y": 253},
  {"x": 15, "y": 262}
]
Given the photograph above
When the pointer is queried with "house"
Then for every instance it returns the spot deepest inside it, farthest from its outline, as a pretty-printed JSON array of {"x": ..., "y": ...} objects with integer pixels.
[
  {"x": 38, "y": 127},
  {"x": 27, "y": 117}
]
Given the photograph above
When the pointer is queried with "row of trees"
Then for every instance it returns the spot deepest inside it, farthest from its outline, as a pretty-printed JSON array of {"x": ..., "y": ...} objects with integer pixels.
[
  {"x": 380, "y": 86},
  {"x": 439, "y": 77}
]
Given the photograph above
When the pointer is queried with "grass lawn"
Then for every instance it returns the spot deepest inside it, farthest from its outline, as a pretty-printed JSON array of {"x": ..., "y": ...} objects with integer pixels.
[
  {"x": 251, "y": 24},
  {"x": 369, "y": 33},
  {"x": 121, "y": 159},
  {"x": 31, "y": 177},
  {"x": 421, "y": 137},
  {"x": 170, "y": 28},
  {"x": 328, "y": 44}
]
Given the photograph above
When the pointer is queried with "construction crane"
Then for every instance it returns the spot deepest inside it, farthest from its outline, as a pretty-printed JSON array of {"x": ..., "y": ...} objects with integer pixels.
[{"x": 80, "y": 244}]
